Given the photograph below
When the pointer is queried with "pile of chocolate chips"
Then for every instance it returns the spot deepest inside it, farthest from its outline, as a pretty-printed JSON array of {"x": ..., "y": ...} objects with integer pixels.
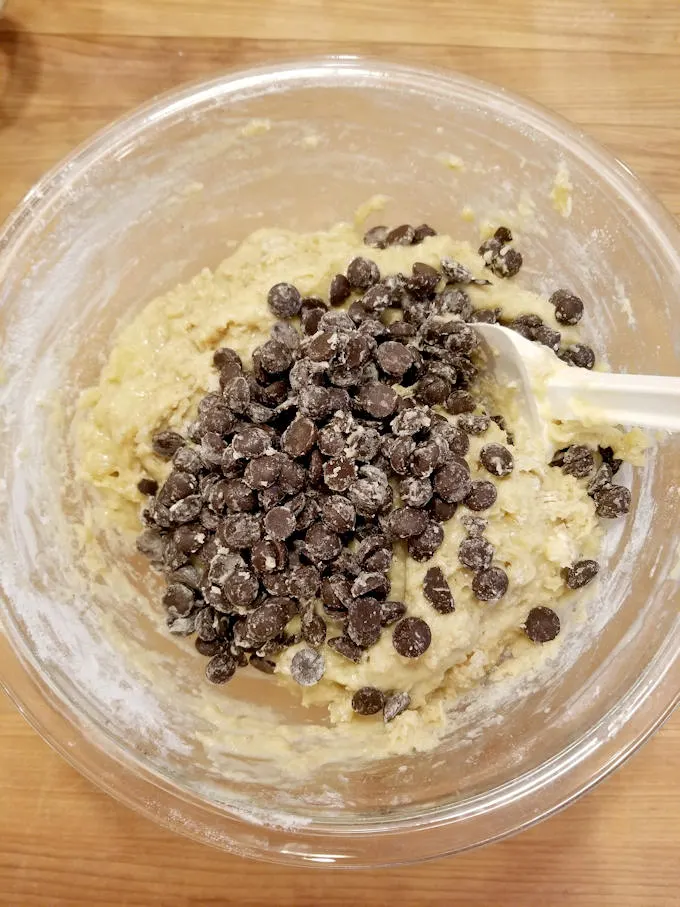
[{"x": 282, "y": 492}]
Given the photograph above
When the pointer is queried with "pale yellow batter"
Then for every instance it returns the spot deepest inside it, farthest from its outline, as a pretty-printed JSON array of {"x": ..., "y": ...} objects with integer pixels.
[{"x": 543, "y": 520}]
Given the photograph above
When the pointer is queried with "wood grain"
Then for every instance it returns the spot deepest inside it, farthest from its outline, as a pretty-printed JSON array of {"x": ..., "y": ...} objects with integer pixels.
[{"x": 67, "y": 69}]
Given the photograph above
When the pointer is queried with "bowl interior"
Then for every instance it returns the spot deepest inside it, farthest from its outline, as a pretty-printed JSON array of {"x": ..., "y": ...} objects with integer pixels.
[{"x": 172, "y": 190}]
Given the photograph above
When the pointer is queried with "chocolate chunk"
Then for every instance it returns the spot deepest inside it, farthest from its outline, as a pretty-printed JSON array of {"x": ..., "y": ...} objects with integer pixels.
[
  {"x": 376, "y": 237},
  {"x": 307, "y": 667},
  {"x": 442, "y": 510},
  {"x": 394, "y": 358},
  {"x": 578, "y": 355},
  {"x": 422, "y": 547},
  {"x": 339, "y": 473},
  {"x": 474, "y": 423},
  {"x": 496, "y": 459},
  {"x": 406, "y": 522},
  {"x": 368, "y": 701},
  {"x": 279, "y": 523},
  {"x": 395, "y": 705},
  {"x": 313, "y": 629},
  {"x": 147, "y": 486},
  {"x": 581, "y": 573},
  {"x": 481, "y": 496},
  {"x": 415, "y": 492},
  {"x": 568, "y": 307},
  {"x": 476, "y": 553},
  {"x": 437, "y": 591},
  {"x": 284, "y": 300},
  {"x": 578, "y": 461},
  {"x": 411, "y": 637},
  {"x": 363, "y": 622},
  {"x": 613, "y": 502},
  {"x": 371, "y": 583},
  {"x": 452, "y": 482},
  {"x": 269, "y": 555},
  {"x": 362, "y": 273},
  {"x": 491, "y": 584},
  {"x": 340, "y": 290},
  {"x": 239, "y": 530},
  {"x": 165, "y": 443},
  {"x": 237, "y": 394},
  {"x": 303, "y": 582},
  {"x": 542, "y": 624},
  {"x": 339, "y": 514},
  {"x": 220, "y": 668},
  {"x": 345, "y": 647},
  {"x": 403, "y": 235},
  {"x": 179, "y": 598},
  {"x": 601, "y": 480},
  {"x": 321, "y": 544},
  {"x": 269, "y": 619}
]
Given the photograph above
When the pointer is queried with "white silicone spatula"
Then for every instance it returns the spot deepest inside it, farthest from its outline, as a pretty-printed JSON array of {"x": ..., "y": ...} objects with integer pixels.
[{"x": 553, "y": 390}]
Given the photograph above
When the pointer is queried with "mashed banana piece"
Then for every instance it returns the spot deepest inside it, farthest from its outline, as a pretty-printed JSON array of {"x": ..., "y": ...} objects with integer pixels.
[{"x": 161, "y": 365}]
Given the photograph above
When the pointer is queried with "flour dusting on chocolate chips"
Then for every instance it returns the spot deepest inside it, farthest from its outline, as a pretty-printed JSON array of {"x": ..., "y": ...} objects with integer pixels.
[{"x": 346, "y": 437}]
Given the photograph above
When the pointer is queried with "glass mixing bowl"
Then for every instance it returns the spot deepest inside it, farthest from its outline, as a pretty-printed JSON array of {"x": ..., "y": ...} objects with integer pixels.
[{"x": 169, "y": 190}]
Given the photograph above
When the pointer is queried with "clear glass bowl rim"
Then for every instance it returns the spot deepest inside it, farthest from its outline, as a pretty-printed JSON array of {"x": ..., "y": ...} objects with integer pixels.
[{"x": 486, "y": 817}]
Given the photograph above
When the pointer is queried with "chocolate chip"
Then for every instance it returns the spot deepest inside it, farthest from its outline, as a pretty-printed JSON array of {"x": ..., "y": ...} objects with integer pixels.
[
  {"x": 265, "y": 665},
  {"x": 215, "y": 646},
  {"x": 303, "y": 582},
  {"x": 481, "y": 496},
  {"x": 542, "y": 624},
  {"x": 313, "y": 629},
  {"x": 406, "y": 522},
  {"x": 474, "y": 423},
  {"x": 279, "y": 523},
  {"x": 339, "y": 514},
  {"x": 315, "y": 402},
  {"x": 403, "y": 235},
  {"x": 411, "y": 637},
  {"x": 147, "y": 486},
  {"x": 607, "y": 454},
  {"x": 496, "y": 459},
  {"x": 476, "y": 553},
  {"x": 391, "y": 612},
  {"x": 339, "y": 473},
  {"x": 371, "y": 583},
  {"x": 442, "y": 510},
  {"x": 220, "y": 668},
  {"x": 275, "y": 358},
  {"x": 613, "y": 502},
  {"x": 410, "y": 422},
  {"x": 190, "y": 537},
  {"x": 491, "y": 584},
  {"x": 578, "y": 461},
  {"x": 237, "y": 394},
  {"x": 581, "y": 573},
  {"x": 456, "y": 440},
  {"x": 269, "y": 619},
  {"x": 165, "y": 443},
  {"x": 376, "y": 237},
  {"x": 179, "y": 597},
  {"x": 437, "y": 591},
  {"x": 425, "y": 458},
  {"x": 239, "y": 530},
  {"x": 186, "y": 510},
  {"x": 415, "y": 492},
  {"x": 363, "y": 622},
  {"x": 335, "y": 593},
  {"x": 578, "y": 355},
  {"x": 307, "y": 667},
  {"x": 568, "y": 307},
  {"x": 422, "y": 232},
  {"x": 506, "y": 263},
  {"x": 452, "y": 482},
  {"x": 239, "y": 496},
  {"x": 432, "y": 390},
  {"x": 299, "y": 438},
  {"x": 310, "y": 320},
  {"x": 601, "y": 480},
  {"x": 368, "y": 701},
  {"x": 242, "y": 589},
  {"x": 226, "y": 358},
  {"x": 395, "y": 705},
  {"x": 362, "y": 273},
  {"x": 262, "y": 472},
  {"x": 269, "y": 555},
  {"x": 345, "y": 647},
  {"x": 284, "y": 300},
  {"x": 186, "y": 459},
  {"x": 394, "y": 358},
  {"x": 423, "y": 280},
  {"x": 321, "y": 544},
  {"x": 422, "y": 547},
  {"x": 548, "y": 337}
]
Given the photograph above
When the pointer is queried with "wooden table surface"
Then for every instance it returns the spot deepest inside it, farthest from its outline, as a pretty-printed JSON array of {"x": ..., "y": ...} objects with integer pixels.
[{"x": 67, "y": 67}]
